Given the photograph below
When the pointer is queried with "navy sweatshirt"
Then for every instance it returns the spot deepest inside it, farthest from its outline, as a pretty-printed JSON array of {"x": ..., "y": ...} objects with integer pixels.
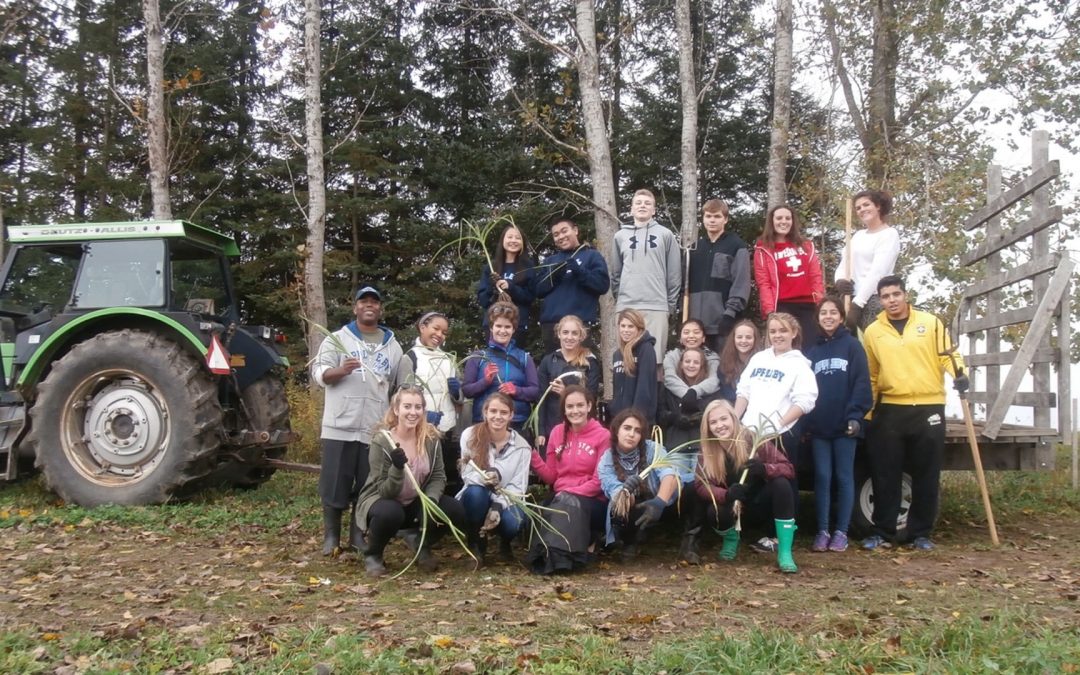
[
  {"x": 571, "y": 283},
  {"x": 637, "y": 390},
  {"x": 843, "y": 378}
]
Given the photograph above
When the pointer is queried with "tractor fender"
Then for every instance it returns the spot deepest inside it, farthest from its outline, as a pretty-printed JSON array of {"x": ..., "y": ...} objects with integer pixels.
[{"x": 54, "y": 342}]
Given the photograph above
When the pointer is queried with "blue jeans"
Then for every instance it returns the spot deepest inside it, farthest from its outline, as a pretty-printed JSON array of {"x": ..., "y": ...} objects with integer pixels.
[
  {"x": 477, "y": 500},
  {"x": 834, "y": 457}
]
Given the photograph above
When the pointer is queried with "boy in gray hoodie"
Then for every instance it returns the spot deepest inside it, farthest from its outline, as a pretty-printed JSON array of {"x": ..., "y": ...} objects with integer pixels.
[
  {"x": 358, "y": 366},
  {"x": 646, "y": 271}
]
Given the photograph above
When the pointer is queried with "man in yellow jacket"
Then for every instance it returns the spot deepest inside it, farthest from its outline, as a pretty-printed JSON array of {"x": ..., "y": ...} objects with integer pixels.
[{"x": 908, "y": 352}]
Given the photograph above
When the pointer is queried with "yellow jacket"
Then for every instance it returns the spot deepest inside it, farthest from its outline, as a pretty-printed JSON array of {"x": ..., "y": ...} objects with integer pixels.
[{"x": 908, "y": 369}]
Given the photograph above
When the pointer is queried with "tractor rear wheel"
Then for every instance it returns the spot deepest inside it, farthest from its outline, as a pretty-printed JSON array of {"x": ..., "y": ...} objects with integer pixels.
[
  {"x": 125, "y": 417},
  {"x": 268, "y": 405}
]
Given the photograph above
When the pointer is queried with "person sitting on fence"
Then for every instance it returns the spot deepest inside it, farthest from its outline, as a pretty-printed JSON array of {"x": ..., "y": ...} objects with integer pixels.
[{"x": 871, "y": 255}]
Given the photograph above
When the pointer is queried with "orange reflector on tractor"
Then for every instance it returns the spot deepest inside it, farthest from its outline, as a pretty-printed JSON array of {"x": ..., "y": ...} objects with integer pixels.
[{"x": 217, "y": 359}]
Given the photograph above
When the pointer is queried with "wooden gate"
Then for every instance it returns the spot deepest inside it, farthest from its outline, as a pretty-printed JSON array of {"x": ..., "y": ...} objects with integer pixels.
[{"x": 983, "y": 312}]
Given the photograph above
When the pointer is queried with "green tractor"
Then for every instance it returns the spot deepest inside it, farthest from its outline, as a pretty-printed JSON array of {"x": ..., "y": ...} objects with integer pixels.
[{"x": 127, "y": 374}]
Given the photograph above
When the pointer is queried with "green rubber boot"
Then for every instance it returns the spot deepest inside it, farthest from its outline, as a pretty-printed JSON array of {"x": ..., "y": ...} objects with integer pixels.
[
  {"x": 785, "y": 534},
  {"x": 731, "y": 543}
]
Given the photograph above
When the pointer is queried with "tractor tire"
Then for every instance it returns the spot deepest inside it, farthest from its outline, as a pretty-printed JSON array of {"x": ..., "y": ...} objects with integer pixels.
[
  {"x": 268, "y": 405},
  {"x": 126, "y": 417},
  {"x": 862, "y": 517}
]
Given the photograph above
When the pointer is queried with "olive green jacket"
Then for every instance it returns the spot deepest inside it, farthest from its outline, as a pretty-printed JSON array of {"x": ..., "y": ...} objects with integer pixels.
[{"x": 385, "y": 480}]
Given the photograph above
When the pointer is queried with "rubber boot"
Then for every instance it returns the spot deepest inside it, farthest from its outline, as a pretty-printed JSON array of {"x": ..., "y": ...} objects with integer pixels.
[
  {"x": 426, "y": 560},
  {"x": 373, "y": 565},
  {"x": 331, "y": 519},
  {"x": 731, "y": 543},
  {"x": 356, "y": 537},
  {"x": 785, "y": 535},
  {"x": 688, "y": 547}
]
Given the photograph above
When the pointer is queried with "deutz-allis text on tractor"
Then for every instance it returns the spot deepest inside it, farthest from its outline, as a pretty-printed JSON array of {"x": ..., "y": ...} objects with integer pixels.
[{"x": 127, "y": 374}]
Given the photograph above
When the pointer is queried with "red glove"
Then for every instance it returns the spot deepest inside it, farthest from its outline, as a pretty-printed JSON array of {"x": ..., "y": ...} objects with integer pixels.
[
  {"x": 508, "y": 388},
  {"x": 490, "y": 371}
]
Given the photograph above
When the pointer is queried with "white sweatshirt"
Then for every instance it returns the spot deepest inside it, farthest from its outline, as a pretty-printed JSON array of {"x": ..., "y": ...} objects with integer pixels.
[
  {"x": 873, "y": 256},
  {"x": 771, "y": 384}
]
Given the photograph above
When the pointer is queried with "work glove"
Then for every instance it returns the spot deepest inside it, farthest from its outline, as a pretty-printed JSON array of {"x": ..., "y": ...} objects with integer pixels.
[
  {"x": 453, "y": 386},
  {"x": 755, "y": 470},
  {"x": 853, "y": 428},
  {"x": 632, "y": 484},
  {"x": 398, "y": 457},
  {"x": 689, "y": 401},
  {"x": 854, "y": 316},
  {"x": 961, "y": 383},
  {"x": 490, "y": 372},
  {"x": 651, "y": 510},
  {"x": 736, "y": 493},
  {"x": 492, "y": 519},
  {"x": 508, "y": 388},
  {"x": 845, "y": 287},
  {"x": 492, "y": 478},
  {"x": 726, "y": 324},
  {"x": 434, "y": 417}
]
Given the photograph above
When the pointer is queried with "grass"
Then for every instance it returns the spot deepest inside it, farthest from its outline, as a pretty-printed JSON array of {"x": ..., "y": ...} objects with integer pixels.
[
  {"x": 240, "y": 577},
  {"x": 1012, "y": 642}
]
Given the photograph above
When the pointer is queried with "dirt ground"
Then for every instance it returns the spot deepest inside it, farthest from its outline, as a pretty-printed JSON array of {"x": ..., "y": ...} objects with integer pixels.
[{"x": 117, "y": 580}]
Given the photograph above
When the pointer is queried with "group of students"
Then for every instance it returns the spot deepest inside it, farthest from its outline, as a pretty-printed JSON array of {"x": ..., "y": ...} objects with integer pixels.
[{"x": 732, "y": 404}]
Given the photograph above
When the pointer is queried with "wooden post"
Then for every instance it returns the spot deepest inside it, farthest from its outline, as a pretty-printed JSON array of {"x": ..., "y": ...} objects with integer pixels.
[
  {"x": 1040, "y": 209},
  {"x": 847, "y": 250},
  {"x": 993, "y": 302},
  {"x": 1075, "y": 450}
]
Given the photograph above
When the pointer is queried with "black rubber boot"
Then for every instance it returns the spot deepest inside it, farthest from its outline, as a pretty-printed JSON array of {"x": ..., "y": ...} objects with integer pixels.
[
  {"x": 331, "y": 519},
  {"x": 373, "y": 565},
  {"x": 688, "y": 549},
  {"x": 426, "y": 560},
  {"x": 356, "y": 537}
]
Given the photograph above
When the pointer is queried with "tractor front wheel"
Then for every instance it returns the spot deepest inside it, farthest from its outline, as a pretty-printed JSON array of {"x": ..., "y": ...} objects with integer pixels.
[{"x": 126, "y": 417}]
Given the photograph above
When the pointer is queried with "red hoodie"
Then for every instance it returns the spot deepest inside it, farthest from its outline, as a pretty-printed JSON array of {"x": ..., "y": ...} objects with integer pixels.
[
  {"x": 571, "y": 461},
  {"x": 787, "y": 273}
]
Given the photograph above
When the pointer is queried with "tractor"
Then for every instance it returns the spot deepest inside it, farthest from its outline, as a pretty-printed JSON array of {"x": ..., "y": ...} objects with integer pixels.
[{"x": 127, "y": 375}]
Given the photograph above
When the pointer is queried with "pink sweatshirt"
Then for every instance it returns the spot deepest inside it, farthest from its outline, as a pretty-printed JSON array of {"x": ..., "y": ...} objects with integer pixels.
[{"x": 571, "y": 462}]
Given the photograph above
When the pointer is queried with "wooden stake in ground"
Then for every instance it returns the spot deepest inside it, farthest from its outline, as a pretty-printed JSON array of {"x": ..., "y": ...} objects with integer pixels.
[
  {"x": 976, "y": 458},
  {"x": 847, "y": 251},
  {"x": 1075, "y": 449}
]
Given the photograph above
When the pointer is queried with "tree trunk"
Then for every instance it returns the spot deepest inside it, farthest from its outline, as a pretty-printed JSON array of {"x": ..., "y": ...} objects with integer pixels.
[
  {"x": 688, "y": 89},
  {"x": 781, "y": 122},
  {"x": 881, "y": 100},
  {"x": 599, "y": 149},
  {"x": 157, "y": 131},
  {"x": 314, "y": 297}
]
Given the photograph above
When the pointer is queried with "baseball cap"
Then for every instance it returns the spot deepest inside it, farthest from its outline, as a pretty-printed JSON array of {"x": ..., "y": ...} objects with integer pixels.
[{"x": 368, "y": 290}]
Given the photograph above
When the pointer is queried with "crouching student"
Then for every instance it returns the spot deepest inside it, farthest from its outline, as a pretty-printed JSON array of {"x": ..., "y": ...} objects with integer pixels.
[
  {"x": 389, "y": 501},
  {"x": 765, "y": 494},
  {"x": 634, "y": 503},
  {"x": 569, "y": 467},
  {"x": 494, "y": 461}
]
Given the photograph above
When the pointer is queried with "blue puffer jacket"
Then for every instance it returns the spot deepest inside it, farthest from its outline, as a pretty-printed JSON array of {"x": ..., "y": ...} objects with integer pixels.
[
  {"x": 515, "y": 365},
  {"x": 843, "y": 378}
]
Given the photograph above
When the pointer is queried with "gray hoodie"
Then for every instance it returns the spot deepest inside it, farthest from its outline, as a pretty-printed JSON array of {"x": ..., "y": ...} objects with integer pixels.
[
  {"x": 356, "y": 403},
  {"x": 646, "y": 270}
]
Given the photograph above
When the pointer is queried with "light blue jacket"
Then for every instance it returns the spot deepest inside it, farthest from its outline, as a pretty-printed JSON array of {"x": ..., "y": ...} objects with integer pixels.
[{"x": 610, "y": 483}]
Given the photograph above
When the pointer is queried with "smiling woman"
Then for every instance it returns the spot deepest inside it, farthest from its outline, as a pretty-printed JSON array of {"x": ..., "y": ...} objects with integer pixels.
[{"x": 405, "y": 458}]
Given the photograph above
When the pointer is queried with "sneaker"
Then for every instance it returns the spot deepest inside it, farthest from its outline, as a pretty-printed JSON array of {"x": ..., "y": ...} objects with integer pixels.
[
  {"x": 821, "y": 542},
  {"x": 875, "y": 542},
  {"x": 764, "y": 545},
  {"x": 838, "y": 543},
  {"x": 921, "y": 544}
]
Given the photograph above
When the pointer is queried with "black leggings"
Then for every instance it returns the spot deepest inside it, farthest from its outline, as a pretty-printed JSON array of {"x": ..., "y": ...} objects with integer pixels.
[
  {"x": 387, "y": 516},
  {"x": 771, "y": 500}
]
